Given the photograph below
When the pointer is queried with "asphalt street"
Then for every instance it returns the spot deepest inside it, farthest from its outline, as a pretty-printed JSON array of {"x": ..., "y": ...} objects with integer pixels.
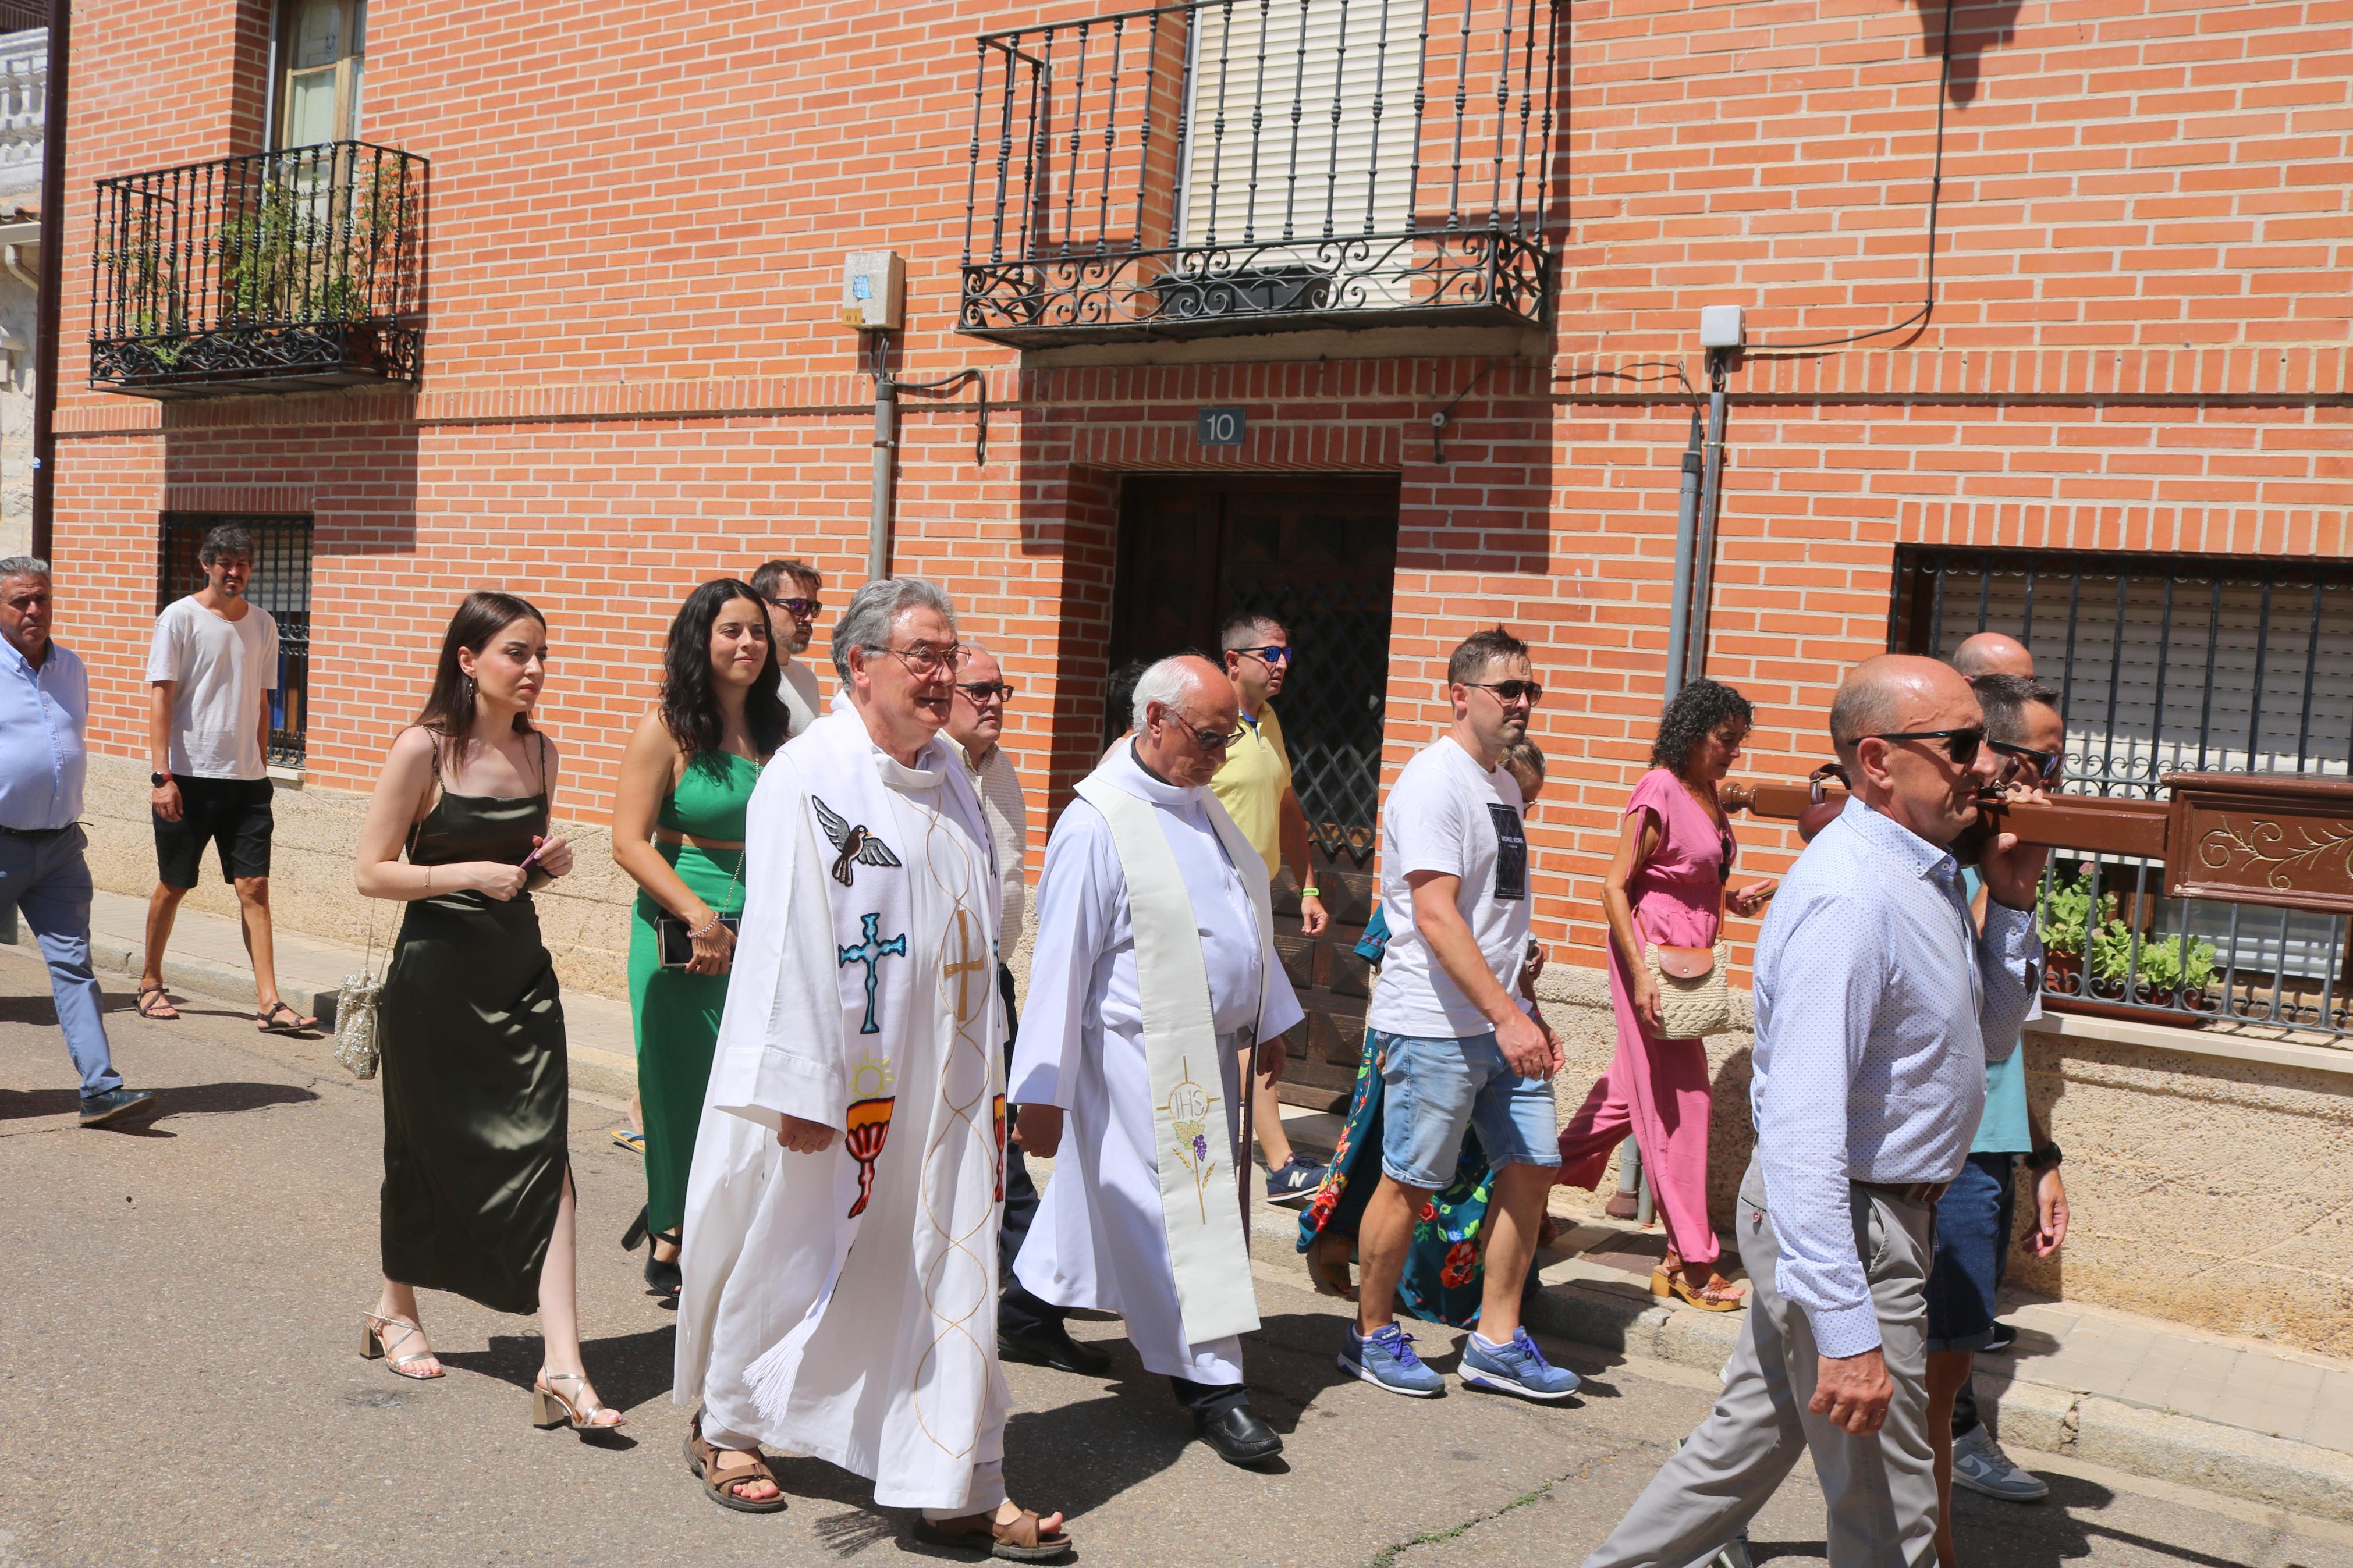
[{"x": 180, "y": 1383}]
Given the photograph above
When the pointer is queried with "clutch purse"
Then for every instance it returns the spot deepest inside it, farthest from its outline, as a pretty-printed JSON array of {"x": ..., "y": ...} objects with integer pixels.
[
  {"x": 1693, "y": 1000},
  {"x": 678, "y": 944}
]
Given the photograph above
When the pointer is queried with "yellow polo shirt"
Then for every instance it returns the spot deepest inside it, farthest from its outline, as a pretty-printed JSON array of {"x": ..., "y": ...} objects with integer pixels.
[{"x": 1251, "y": 786}]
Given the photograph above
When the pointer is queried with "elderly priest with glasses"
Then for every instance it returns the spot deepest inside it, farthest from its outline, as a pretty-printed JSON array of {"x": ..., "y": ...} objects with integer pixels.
[{"x": 1154, "y": 974}]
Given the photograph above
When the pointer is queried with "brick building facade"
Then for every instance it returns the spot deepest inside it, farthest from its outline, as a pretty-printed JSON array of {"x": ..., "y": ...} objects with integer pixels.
[{"x": 635, "y": 375}]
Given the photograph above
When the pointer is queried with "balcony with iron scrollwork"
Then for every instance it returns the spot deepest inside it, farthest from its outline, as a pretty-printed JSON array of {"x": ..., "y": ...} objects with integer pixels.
[
  {"x": 287, "y": 271},
  {"x": 1229, "y": 166}
]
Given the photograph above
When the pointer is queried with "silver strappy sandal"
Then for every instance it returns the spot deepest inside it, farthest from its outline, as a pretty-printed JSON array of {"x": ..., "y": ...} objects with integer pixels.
[
  {"x": 375, "y": 1346},
  {"x": 550, "y": 1409}
]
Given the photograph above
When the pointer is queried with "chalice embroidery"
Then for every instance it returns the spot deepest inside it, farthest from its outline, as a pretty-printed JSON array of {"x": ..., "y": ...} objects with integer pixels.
[
  {"x": 868, "y": 1126},
  {"x": 1188, "y": 1106},
  {"x": 999, "y": 1111}
]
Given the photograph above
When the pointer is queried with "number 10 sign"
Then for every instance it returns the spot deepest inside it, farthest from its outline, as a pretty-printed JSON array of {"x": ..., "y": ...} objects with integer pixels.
[{"x": 1220, "y": 426}]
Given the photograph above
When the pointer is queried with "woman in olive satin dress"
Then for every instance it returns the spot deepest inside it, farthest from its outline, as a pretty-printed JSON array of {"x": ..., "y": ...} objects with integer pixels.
[
  {"x": 678, "y": 831},
  {"x": 478, "y": 1195}
]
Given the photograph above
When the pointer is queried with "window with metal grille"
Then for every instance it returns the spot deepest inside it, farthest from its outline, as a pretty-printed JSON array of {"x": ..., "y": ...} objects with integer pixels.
[
  {"x": 281, "y": 584},
  {"x": 2170, "y": 664}
]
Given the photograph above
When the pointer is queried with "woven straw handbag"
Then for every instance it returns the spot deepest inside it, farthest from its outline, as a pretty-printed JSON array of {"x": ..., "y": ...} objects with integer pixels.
[{"x": 1693, "y": 1000}]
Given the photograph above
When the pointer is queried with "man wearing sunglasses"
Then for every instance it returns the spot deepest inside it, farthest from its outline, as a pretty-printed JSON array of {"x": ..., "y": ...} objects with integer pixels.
[
  {"x": 2028, "y": 737},
  {"x": 790, "y": 588},
  {"x": 1253, "y": 784},
  {"x": 1457, "y": 1046},
  {"x": 1879, "y": 1003}
]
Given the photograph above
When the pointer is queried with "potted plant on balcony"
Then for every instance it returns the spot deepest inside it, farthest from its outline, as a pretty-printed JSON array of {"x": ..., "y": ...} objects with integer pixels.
[
  {"x": 2179, "y": 966},
  {"x": 2066, "y": 911}
]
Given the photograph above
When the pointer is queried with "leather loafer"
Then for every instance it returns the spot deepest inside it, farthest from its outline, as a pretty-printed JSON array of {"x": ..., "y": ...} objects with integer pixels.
[
  {"x": 1240, "y": 1437},
  {"x": 1052, "y": 1346},
  {"x": 97, "y": 1110}
]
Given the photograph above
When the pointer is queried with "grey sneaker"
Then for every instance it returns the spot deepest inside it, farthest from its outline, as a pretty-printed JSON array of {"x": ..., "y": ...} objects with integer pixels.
[{"x": 1979, "y": 1464}]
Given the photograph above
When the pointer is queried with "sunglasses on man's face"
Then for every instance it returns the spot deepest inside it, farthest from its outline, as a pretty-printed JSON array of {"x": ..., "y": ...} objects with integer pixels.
[
  {"x": 1511, "y": 690},
  {"x": 1961, "y": 745},
  {"x": 799, "y": 610},
  {"x": 1272, "y": 653},
  {"x": 2046, "y": 765}
]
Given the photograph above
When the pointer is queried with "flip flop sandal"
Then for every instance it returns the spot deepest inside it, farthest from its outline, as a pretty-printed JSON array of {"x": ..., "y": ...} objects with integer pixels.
[
  {"x": 626, "y": 1138},
  {"x": 159, "y": 1009},
  {"x": 1016, "y": 1541},
  {"x": 720, "y": 1484},
  {"x": 268, "y": 1019}
]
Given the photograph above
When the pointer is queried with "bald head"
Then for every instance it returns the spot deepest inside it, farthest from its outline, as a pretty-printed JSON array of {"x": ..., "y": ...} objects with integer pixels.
[
  {"x": 1894, "y": 692},
  {"x": 1993, "y": 653},
  {"x": 1177, "y": 703}
]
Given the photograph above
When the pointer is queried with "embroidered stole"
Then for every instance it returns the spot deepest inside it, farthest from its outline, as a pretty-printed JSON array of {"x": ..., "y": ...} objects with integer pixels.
[{"x": 1199, "y": 1203}]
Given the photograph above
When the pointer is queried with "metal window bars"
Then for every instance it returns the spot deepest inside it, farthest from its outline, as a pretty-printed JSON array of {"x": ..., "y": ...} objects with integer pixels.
[
  {"x": 280, "y": 584},
  {"x": 270, "y": 272},
  {"x": 1222, "y": 166},
  {"x": 2163, "y": 664}
]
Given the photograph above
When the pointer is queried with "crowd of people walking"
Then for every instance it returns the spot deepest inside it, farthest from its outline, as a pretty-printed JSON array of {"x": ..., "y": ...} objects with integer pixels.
[{"x": 837, "y": 1102}]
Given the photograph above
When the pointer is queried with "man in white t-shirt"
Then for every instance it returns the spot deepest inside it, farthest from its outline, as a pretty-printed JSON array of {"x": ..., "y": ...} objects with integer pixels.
[
  {"x": 209, "y": 671},
  {"x": 789, "y": 589},
  {"x": 1456, "y": 1046}
]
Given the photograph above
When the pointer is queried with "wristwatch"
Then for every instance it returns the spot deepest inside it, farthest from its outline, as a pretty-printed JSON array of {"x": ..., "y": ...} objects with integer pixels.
[
  {"x": 159, "y": 780},
  {"x": 2047, "y": 1158}
]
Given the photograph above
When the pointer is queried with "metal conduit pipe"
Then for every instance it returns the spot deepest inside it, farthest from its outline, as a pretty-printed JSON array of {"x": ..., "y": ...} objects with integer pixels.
[
  {"x": 886, "y": 452},
  {"x": 1686, "y": 536},
  {"x": 1710, "y": 498}
]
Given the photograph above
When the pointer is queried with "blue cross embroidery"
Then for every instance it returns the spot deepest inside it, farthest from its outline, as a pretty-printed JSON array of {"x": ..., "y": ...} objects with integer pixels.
[{"x": 868, "y": 953}]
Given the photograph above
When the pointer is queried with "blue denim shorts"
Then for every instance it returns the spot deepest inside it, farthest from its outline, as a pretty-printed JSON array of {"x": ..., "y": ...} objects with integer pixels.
[
  {"x": 1432, "y": 1091},
  {"x": 1973, "y": 1221}
]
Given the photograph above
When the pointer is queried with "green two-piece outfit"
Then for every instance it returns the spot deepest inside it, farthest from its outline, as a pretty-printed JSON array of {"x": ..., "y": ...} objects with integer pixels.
[{"x": 678, "y": 1013}]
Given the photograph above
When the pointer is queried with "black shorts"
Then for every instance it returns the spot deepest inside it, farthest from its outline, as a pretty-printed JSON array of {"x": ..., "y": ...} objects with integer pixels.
[{"x": 231, "y": 813}]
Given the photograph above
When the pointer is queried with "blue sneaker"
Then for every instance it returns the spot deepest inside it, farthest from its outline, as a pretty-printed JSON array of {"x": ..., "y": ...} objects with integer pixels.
[
  {"x": 1294, "y": 1183},
  {"x": 1387, "y": 1360},
  {"x": 1516, "y": 1368}
]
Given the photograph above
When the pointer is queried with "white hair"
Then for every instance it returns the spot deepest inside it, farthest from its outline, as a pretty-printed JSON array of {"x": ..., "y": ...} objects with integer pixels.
[
  {"x": 23, "y": 566},
  {"x": 1167, "y": 683},
  {"x": 874, "y": 608}
]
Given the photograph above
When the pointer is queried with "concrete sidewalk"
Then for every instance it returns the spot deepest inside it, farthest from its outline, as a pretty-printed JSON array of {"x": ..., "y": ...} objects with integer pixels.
[{"x": 2234, "y": 1416}]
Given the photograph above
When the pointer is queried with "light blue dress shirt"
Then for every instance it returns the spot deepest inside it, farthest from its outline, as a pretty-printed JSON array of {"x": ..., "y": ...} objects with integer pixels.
[
  {"x": 42, "y": 759},
  {"x": 1878, "y": 1006}
]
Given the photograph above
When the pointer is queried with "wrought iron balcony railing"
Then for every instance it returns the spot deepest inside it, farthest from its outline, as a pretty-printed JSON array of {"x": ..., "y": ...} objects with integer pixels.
[
  {"x": 1223, "y": 166},
  {"x": 272, "y": 272}
]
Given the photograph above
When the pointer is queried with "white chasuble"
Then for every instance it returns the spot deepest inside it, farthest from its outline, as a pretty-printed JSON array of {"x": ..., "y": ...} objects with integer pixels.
[
  {"x": 1154, "y": 956},
  {"x": 842, "y": 1304}
]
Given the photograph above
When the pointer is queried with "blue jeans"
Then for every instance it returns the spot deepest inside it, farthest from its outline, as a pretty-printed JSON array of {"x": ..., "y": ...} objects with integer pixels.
[
  {"x": 48, "y": 883},
  {"x": 1434, "y": 1089},
  {"x": 1973, "y": 1221}
]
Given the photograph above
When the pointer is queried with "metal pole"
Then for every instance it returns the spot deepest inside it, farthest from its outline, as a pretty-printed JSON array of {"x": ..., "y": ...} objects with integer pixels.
[
  {"x": 47, "y": 310},
  {"x": 886, "y": 445},
  {"x": 1710, "y": 498},
  {"x": 1687, "y": 535}
]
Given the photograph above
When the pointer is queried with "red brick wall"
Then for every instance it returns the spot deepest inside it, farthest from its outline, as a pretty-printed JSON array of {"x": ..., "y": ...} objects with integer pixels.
[{"x": 634, "y": 377}]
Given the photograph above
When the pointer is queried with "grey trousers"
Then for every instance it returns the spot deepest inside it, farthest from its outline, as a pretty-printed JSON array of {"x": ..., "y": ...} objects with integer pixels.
[{"x": 1881, "y": 1490}]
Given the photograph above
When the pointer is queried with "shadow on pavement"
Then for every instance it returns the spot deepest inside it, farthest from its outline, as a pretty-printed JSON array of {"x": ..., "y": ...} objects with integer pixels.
[
  {"x": 1078, "y": 1457},
  {"x": 627, "y": 1370},
  {"x": 194, "y": 1099}
]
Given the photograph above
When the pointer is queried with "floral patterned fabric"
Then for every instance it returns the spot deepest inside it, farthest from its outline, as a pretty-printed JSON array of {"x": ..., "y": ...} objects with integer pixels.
[{"x": 1444, "y": 1274}]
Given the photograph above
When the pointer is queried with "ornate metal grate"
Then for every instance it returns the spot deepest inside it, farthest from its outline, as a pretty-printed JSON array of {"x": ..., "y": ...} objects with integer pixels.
[
  {"x": 272, "y": 272},
  {"x": 281, "y": 584},
  {"x": 1226, "y": 166},
  {"x": 2168, "y": 664}
]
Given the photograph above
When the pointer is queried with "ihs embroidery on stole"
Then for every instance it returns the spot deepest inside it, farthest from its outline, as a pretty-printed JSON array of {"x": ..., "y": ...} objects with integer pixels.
[{"x": 1189, "y": 1105}]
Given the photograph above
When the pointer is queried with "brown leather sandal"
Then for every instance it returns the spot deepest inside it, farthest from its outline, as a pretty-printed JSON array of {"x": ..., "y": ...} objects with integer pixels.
[
  {"x": 1017, "y": 1540},
  {"x": 1718, "y": 1295},
  {"x": 719, "y": 1484}
]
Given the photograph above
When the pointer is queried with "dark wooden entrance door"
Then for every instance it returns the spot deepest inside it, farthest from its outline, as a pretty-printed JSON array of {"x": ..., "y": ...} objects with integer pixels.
[{"x": 1319, "y": 552}]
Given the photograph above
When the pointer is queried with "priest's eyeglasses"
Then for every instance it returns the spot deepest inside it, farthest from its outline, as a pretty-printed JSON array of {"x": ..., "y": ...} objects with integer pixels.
[
  {"x": 925, "y": 658},
  {"x": 1208, "y": 739}
]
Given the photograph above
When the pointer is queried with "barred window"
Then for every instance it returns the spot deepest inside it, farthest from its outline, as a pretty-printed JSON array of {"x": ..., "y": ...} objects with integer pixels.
[{"x": 281, "y": 584}]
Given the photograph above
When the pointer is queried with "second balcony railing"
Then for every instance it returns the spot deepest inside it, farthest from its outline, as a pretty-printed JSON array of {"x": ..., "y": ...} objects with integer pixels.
[{"x": 1229, "y": 166}]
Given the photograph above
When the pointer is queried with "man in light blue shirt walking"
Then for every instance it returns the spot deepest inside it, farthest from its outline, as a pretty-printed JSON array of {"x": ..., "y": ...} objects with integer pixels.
[
  {"x": 1878, "y": 1004},
  {"x": 44, "y": 707}
]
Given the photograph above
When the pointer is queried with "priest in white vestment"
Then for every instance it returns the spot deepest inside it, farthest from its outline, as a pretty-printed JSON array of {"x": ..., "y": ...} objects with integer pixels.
[
  {"x": 855, "y": 1098},
  {"x": 1154, "y": 973}
]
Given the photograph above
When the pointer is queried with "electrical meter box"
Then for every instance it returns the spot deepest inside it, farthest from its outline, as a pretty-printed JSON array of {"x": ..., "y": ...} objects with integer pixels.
[
  {"x": 873, "y": 288},
  {"x": 1721, "y": 326}
]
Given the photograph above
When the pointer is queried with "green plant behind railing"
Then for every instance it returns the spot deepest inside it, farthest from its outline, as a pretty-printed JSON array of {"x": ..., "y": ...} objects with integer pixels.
[
  {"x": 2178, "y": 963},
  {"x": 309, "y": 249},
  {"x": 2066, "y": 911}
]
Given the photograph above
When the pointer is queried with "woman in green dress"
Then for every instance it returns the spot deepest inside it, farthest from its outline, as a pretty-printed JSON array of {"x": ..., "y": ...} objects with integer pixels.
[
  {"x": 478, "y": 1195},
  {"x": 678, "y": 831}
]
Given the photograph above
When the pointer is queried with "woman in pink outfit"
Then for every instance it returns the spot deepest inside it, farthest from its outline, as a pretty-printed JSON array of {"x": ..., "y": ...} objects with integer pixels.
[{"x": 1669, "y": 883}]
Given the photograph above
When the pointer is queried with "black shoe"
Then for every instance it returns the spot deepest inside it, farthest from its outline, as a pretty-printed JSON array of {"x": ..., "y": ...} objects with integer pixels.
[
  {"x": 662, "y": 1276},
  {"x": 1238, "y": 1436},
  {"x": 99, "y": 1109},
  {"x": 2004, "y": 1337},
  {"x": 1050, "y": 1344}
]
